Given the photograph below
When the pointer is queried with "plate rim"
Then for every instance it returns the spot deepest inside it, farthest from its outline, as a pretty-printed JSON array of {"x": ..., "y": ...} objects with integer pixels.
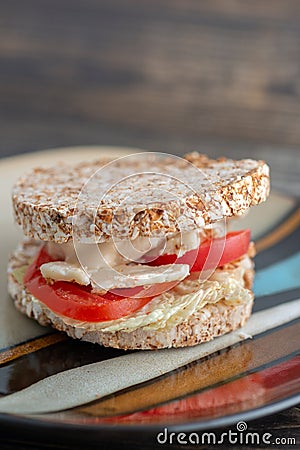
[{"x": 78, "y": 431}]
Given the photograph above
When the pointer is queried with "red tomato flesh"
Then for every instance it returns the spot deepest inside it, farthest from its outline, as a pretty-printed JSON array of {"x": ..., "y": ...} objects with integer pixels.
[{"x": 211, "y": 253}]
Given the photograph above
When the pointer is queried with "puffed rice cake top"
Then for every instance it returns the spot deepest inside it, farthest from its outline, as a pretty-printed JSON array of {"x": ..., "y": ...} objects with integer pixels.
[{"x": 141, "y": 195}]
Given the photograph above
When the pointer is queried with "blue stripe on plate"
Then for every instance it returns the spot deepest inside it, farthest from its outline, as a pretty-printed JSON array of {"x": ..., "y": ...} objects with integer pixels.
[{"x": 281, "y": 276}]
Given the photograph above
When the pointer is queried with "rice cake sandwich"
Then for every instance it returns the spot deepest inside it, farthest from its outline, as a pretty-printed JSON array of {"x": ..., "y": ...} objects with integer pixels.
[{"x": 135, "y": 253}]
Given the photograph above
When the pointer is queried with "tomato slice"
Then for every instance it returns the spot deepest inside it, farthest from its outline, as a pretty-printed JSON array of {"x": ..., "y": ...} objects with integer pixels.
[
  {"x": 78, "y": 302},
  {"x": 211, "y": 253}
]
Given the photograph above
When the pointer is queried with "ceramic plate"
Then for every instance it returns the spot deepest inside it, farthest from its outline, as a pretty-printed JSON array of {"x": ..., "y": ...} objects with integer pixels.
[{"x": 142, "y": 393}]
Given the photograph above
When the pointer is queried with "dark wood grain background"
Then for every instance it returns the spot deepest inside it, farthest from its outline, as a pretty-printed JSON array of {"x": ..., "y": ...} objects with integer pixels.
[
  {"x": 167, "y": 75},
  {"x": 86, "y": 70}
]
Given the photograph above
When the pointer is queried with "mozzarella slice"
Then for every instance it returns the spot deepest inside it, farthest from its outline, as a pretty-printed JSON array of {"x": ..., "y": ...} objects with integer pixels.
[
  {"x": 182, "y": 243},
  {"x": 112, "y": 253},
  {"x": 178, "y": 245},
  {"x": 109, "y": 265},
  {"x": 137, "y": 275},
  {"x": 63, "y": 271},
  {"x": 107, "y": 278}
]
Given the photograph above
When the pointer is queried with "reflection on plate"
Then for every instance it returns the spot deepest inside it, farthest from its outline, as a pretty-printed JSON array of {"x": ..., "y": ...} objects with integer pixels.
[{"x": 246, "y": 380}]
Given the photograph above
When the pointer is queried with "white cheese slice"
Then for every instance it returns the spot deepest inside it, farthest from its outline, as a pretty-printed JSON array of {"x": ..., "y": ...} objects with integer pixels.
[
  {"x": 182, "y": 243},
  {"x": 107, "y": 278},
  {"x": 178, "y": 245},
  {"x": 136, "y": 275},
  {"x": 113, "y": 265},
  {"x": 114, "y": 253},
  {"x": 135, "y": 249},
  {"x": 63, "y": 271}
]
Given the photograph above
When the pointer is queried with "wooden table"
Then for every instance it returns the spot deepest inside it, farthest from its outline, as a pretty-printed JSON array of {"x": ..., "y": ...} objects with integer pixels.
[{"x": 166, "y": 75}]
